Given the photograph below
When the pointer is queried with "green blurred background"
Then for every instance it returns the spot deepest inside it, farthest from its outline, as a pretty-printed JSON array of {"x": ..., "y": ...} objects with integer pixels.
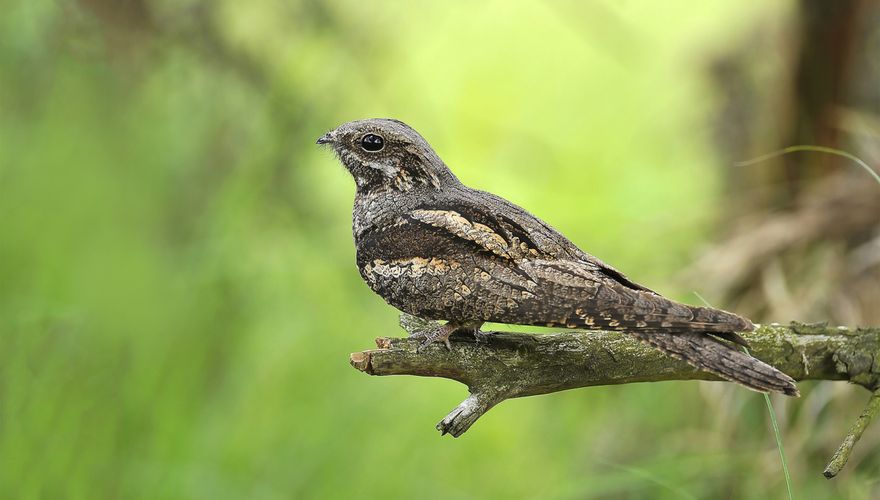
[{"x": 178, "y": 294}]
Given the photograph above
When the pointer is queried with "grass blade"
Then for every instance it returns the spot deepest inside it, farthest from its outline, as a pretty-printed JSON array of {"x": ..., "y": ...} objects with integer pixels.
[
  {"x": 773, "y": 421},
  {"x": 815, "y": 149}
]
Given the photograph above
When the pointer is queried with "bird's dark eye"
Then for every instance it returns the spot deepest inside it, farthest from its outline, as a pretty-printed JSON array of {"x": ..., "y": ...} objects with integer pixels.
[{"x": 372, "y": 143}]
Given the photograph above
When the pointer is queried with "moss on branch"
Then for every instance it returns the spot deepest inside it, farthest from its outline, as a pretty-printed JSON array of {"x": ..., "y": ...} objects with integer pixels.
[{"x": 496, "y": 366}]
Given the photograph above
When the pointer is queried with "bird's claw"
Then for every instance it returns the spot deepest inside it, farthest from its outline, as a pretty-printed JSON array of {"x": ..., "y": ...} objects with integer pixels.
[{"x": 439, "y": 334}]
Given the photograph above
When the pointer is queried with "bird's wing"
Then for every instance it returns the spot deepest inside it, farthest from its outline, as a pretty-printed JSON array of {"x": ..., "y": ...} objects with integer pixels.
[
  {"x": 516, "y": 222},
  {"x": 543, "y": 279},
  {"x": 435, "y": 264}
]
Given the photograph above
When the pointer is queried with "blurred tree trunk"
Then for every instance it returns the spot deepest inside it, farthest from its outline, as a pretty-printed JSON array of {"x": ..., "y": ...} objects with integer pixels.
[
  {"x": 815, "y": 81},
  {"x": 828, "y": 33}
]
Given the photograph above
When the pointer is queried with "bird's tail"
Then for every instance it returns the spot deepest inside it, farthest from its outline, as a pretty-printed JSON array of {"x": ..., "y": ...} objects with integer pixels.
[{"x": 705, "y": 352}]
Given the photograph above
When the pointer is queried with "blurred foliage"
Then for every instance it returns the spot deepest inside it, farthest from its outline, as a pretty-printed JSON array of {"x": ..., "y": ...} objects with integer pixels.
[{"x": 178, "y": 293}]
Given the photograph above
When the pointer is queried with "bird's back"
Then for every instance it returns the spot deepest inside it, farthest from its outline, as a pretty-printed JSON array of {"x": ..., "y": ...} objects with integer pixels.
[{"x": 468, "y": 255}]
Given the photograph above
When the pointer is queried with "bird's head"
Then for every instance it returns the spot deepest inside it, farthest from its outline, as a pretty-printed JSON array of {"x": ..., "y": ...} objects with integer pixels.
[{"x": 382, "y": 153}]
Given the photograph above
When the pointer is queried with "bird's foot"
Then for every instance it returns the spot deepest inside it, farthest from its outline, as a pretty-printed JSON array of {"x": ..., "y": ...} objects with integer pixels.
[
  {"x": 439, "y": 333},
  {"x": 432, "y": 332}
]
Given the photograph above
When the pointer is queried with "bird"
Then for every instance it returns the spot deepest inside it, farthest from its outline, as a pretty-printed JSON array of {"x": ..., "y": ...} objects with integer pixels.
[{"x": 439, "y": 250}]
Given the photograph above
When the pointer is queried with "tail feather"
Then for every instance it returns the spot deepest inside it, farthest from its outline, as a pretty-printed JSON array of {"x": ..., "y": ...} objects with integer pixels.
[
  {"x": 712, "y": 355},
  {"x": 663, "y": 316},
  {"x": 692, "y": 334}
]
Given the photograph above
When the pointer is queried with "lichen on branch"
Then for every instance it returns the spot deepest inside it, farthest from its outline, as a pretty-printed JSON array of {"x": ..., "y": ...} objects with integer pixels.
[{"x": 496, "y": 365}]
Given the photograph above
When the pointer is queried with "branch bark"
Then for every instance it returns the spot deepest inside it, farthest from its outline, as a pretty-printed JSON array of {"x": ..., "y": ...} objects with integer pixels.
[{"x": 496, "y": 366}]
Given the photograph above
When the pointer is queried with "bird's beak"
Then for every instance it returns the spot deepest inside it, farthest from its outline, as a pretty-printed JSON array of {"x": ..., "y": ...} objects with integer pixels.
[{"x": 327, "y": 138}]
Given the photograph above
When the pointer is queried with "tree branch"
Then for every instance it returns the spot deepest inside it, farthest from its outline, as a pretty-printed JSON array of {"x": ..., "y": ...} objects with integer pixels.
[
  {"x": 497, "y": 366},
  {"x": 855, "y": 433}
]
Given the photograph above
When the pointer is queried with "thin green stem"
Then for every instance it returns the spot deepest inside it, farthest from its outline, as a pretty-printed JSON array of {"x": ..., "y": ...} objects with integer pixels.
[
  {"x": 773, "y": 421},
  {"x": 778, "y": 436},
  {"x": 815, "y": 149}
]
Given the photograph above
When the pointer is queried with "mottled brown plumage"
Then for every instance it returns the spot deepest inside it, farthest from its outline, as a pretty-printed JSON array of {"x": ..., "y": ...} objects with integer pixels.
[{"x": 437, "y": 249}]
